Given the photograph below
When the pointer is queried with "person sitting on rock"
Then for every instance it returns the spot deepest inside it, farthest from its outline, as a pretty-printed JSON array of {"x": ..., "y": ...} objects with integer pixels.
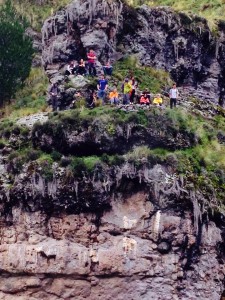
[
  {"x": 81, "y": 68},
  {"x": 54, "y": 94},
  {"x": 76, "y": 97},
  {"x": 158, "y": 100},
  {"x": 91, "y": 101},
  {"x": 71, "y": 68},
  {"x": 114, "y": 97},
  {"x": 126, "y": 88},
  {"x": 107, "y": 69},
  {"x": 102, "y": 87},
  {"x": 91, "y": 62},
  {"x": 144, "y": 100}
]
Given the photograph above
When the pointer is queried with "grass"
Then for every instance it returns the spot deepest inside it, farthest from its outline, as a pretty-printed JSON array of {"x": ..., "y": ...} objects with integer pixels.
[
  {"x": 202, "y": 164},
  {"x": 30, "y": 99},
  {"x": 37, "y": 14},
  {"x": 212, "y": 10},
  {"x": 153, "y": 80}
]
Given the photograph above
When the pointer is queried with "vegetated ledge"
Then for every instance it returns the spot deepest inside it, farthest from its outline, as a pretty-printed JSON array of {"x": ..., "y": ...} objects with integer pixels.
[
  {"x": 92, "y": 190},
  {"x": 112, "y": 132},
  {"x": 109, "y": 153}
]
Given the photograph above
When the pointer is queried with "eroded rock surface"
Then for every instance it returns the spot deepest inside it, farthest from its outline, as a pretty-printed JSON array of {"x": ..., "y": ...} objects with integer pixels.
[
  {"x": 114, "y": 256},
  {"x": 183, "y": 45},
  {"x": 135, "y": 233}
]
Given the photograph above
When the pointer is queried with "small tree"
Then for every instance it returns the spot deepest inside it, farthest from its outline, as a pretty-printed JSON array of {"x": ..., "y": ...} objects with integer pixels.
[{"x": 16, "y": 52}]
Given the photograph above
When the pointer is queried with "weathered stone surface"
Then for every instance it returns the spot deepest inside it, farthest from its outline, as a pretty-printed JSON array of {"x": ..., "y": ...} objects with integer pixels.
[
  {"x": 73, "y": 257},
  {"x": 159, "y": 37},
  {"x": 79, "y": 81},
  {"x": 96, "y": 135},
  {"x": 29, "y": 121}
]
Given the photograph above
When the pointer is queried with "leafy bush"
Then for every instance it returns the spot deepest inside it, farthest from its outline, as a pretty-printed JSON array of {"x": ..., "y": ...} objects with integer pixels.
[
  {"x": 45, "y": 163},
  {"x": 56, "y": 156},
  {"x": 16, "y": 52}
]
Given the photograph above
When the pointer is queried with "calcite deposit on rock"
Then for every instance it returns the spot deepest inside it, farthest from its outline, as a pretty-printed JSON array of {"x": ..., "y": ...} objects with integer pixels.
[
  {"x": 183, "y": 45},
  {"x": 113, "y": 256},
  {"x": 136, "y": 233}
]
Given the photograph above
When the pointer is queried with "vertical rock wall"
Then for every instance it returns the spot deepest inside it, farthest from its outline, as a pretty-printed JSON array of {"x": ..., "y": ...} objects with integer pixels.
[{"x": 134, "y": 252}]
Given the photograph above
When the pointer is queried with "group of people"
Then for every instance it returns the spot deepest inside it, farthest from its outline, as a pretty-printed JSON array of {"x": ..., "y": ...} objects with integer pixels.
[
  {"x": 102, "y": 95},
  {"x": 88, "y": 68},
  {"x": 129, "y": 89}
]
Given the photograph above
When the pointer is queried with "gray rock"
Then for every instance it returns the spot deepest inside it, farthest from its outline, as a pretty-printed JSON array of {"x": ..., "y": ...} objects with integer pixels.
[
  {"x": 163, "y": 39},
  {"x": 79, "y": 81}
]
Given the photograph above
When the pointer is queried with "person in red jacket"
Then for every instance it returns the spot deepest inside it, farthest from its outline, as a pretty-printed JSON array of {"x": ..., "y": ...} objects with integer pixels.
[{"x": 91, "y": 62}]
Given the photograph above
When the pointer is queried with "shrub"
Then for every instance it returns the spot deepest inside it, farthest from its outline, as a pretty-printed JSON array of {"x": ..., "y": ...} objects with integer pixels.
[
  {"x": 16, "y": 52},
  {"x": 56, "y": 156}
]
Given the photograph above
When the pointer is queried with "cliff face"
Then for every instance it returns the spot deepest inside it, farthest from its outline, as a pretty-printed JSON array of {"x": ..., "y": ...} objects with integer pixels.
[
  {"x": 159, "y": 37},
  {"x": 129, "y": 227},
  {"x": 112, "y": 204},
  {"x": 134, "y": 250}
]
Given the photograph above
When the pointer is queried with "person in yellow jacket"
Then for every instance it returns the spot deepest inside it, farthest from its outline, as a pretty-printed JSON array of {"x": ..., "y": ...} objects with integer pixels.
[
  {"x": 114, "y": 97},
  {"x": 127, "y": 88},
  {"x": 158, "y": 100}
]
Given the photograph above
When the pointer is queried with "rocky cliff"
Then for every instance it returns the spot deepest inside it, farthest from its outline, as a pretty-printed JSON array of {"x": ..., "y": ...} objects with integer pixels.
[
  {"x": 104, "y": 221},
  {"x": 183, "y": 45},
  {"x": 112, "y": 204}
]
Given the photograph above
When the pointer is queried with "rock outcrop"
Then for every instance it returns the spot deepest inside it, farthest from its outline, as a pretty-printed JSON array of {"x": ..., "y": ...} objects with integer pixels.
[
  {"x": 121, "y": 227},
  {"x": 144, "y": 244},
  {"x": 94, "y": 212},
  {"x": 183, "y": 45}
]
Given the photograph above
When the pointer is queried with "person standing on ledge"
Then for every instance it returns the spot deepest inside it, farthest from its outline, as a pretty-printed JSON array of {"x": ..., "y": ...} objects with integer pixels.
[
  {"x": 91, "y": 62},
  {"x": 173, "y": 96},
  {"x": 54, "y": 94},
  {"x": 102, "y": 88}
]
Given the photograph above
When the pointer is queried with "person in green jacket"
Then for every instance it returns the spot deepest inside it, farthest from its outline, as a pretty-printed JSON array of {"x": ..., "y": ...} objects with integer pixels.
[{"x": 127, "y": 88}]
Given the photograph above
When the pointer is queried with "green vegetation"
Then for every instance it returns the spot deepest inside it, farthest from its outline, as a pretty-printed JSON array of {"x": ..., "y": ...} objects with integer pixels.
[
  {"x": 202, "y": 164},
  {"x": 211, "y": 10},
  {"x": 16, "y": 52},
  {"x": 151, "y": 79},
  {"x": 37, "y": 12},
  {"x": 30, "y": 99}
]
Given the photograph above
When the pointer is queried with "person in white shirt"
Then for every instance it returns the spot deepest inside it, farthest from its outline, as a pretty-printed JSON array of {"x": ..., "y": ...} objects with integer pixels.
[
  {"x": 71, "y": 68},
  {"x": 173, "y": 96}
]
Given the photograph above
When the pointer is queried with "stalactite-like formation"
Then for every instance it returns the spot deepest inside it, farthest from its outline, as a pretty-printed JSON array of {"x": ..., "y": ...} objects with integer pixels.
[
  {"x": 197, "y": 211},
  {"x": 156, "y": 225}
]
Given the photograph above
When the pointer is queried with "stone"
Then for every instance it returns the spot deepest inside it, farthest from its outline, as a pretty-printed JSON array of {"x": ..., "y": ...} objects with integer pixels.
[
  {"x": 164, "y": 247},
  {"x": 79, "y": 81}
]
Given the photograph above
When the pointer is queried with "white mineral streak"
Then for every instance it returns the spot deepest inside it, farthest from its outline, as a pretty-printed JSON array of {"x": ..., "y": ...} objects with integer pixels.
[
  {"x": 129, "y": 246},
  {"x": 197, "y": 211},
  {"x": 156, "y": 224},
  {"x": 38, "y": 185},
  {"x": 129, "y": 223}
]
